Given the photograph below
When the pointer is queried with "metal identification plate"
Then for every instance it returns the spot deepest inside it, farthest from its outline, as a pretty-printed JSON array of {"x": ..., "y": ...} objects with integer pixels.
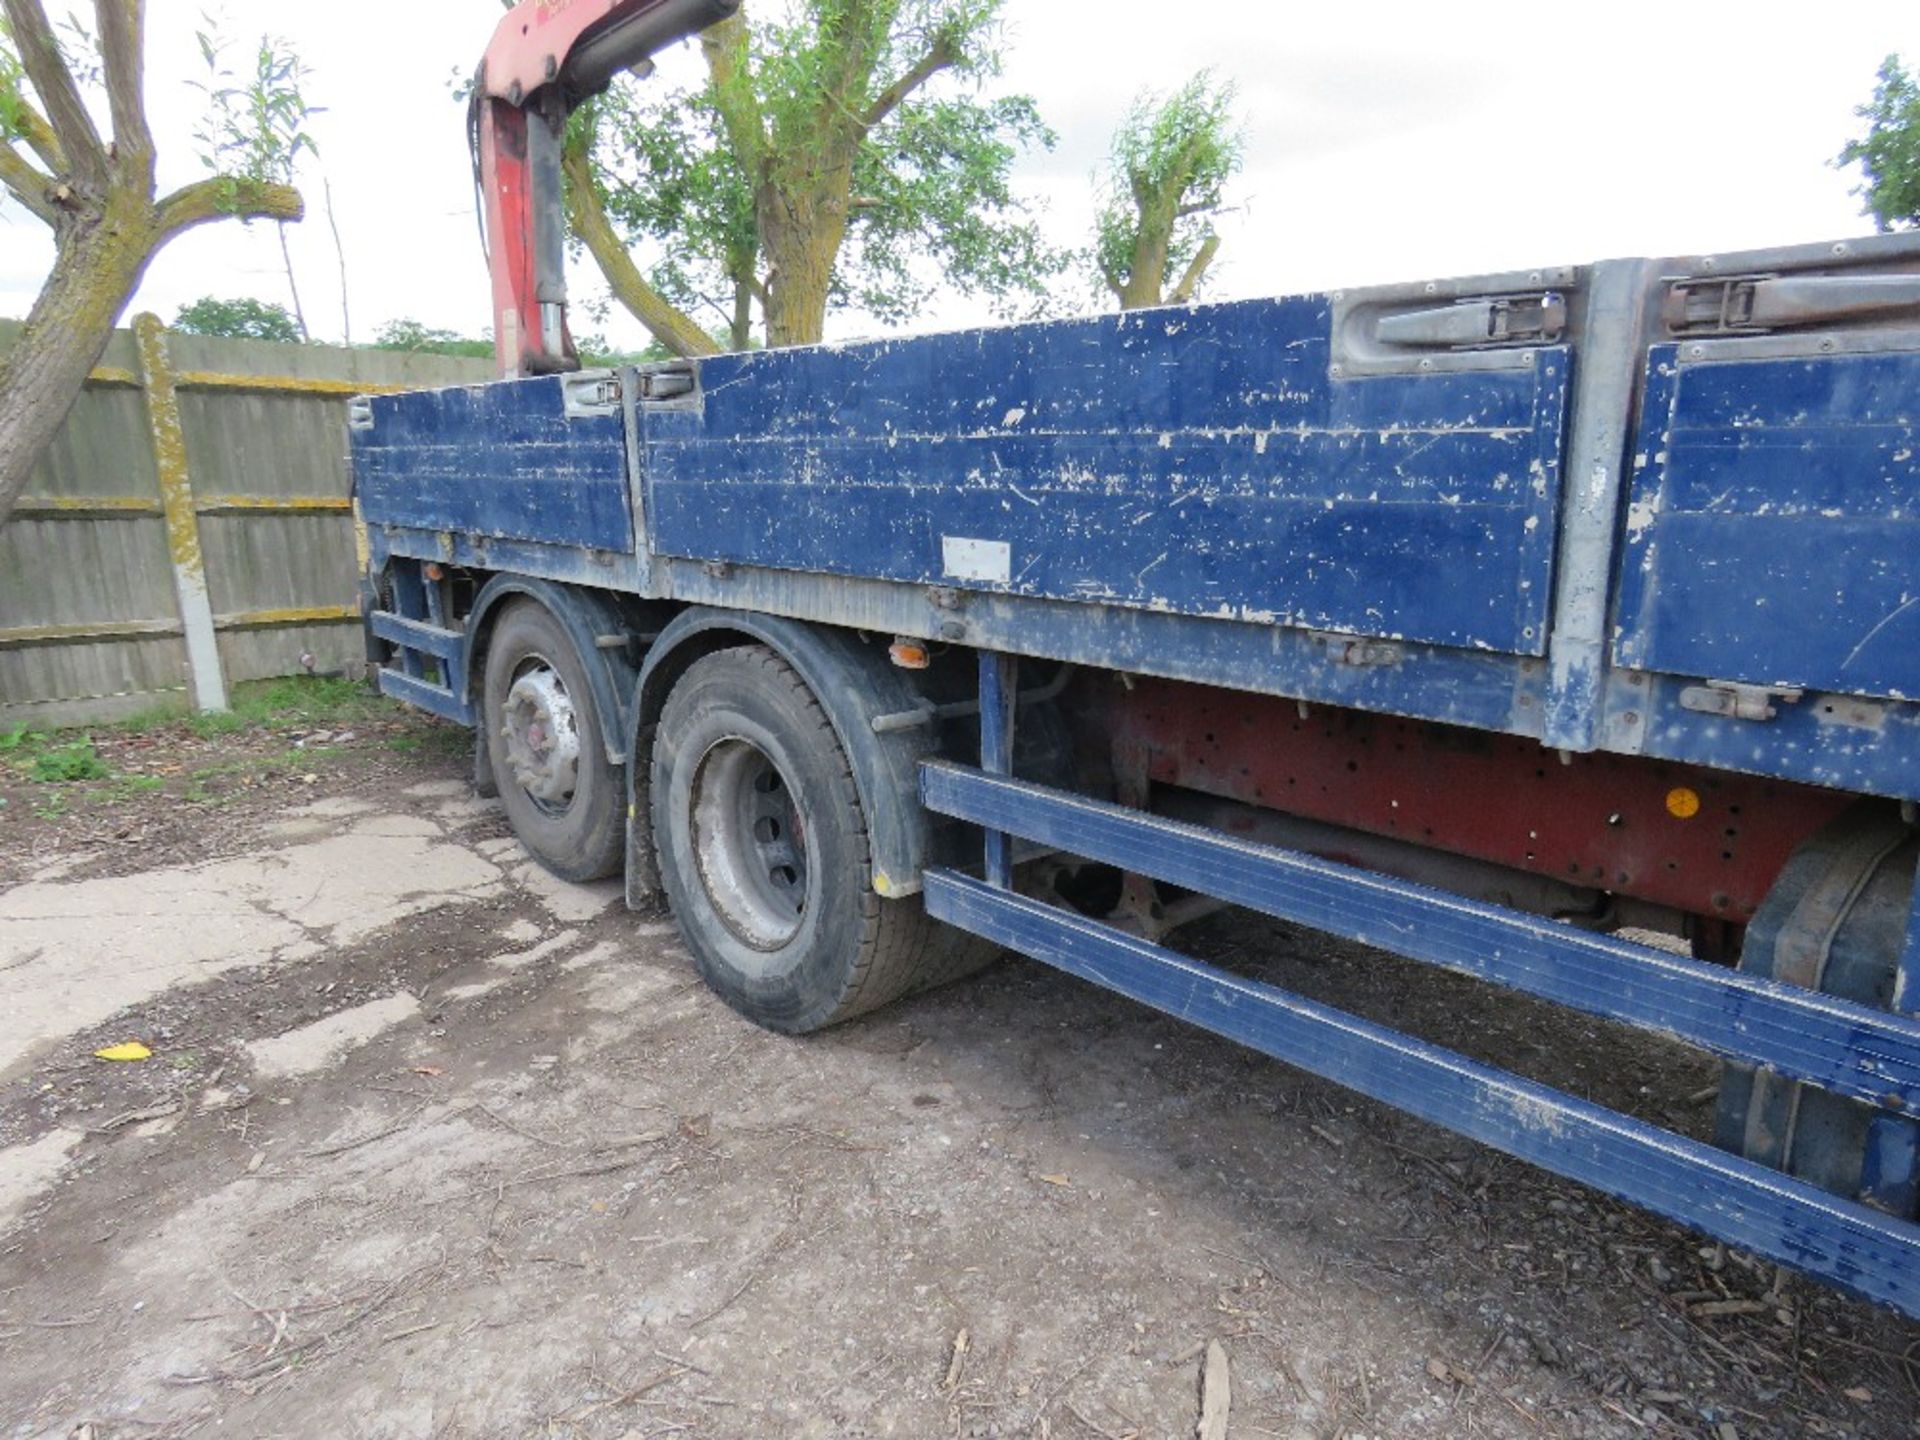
[{"x": 987, "y": 560}]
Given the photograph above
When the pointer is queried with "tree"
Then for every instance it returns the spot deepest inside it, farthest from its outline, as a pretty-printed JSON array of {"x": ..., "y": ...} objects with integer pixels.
[
  {"x": 839, "y": 154},
  {"x": 241, "y": 319},
  {"x": 1889, "y": 153},
  {"x": 1166, "y": 181},
  {"x": 100, "y": 199},
  {"x": 418, "y": 339},
  {"x": 412, "y": 336}
]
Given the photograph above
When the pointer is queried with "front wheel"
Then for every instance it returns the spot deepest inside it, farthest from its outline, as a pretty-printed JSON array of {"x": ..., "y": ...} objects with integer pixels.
[
  {"x": 548, "y": 756},
  {"x": 764, "y": 853}
]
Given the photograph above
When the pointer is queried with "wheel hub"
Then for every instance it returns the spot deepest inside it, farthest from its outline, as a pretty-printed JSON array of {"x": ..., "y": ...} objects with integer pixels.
[
  {"x": 750, "y": 844},
  {"x": 542, "y": 733}
]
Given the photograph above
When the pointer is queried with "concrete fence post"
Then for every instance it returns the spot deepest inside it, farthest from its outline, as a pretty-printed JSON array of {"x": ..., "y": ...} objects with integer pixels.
[{"x": 182, "y": 519}]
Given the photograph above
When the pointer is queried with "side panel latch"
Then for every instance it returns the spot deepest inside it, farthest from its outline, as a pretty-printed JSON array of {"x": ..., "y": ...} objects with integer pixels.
[
  {"x": 1472, "y": 324},
  {"x": 591, "y": 395},
  {"x": 1738, "y": 701},
  {"x": 665, "y": 383},
  {"x": 1750, "y": 304}
]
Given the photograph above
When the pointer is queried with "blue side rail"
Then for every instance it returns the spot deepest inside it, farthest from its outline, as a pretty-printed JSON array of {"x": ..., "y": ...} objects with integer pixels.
[{"x": 1867, "y": 1054}]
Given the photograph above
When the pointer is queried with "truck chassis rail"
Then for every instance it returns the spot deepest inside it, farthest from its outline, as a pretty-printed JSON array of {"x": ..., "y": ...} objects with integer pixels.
[{"x": 1851, "y": 1049}]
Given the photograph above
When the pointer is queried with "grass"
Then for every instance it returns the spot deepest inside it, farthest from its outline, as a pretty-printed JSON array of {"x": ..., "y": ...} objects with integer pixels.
[
  {"x": 70, "y": 758},
  {"x": 296, "y": 702}
]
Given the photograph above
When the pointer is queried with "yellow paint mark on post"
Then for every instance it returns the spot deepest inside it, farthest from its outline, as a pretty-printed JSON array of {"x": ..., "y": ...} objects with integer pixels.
[
  {"x": 1682, "y": 803},
  {"x": 182, "y": 522}
]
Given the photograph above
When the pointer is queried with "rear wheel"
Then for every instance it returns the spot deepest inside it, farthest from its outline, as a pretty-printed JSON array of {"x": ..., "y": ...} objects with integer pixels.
[
  {"x": 764, "y": 855},
  {"x": 548, "y": 756}
]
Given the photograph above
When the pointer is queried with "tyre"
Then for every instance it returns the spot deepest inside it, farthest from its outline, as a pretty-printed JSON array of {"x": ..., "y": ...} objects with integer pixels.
[
  {"x": 763, "y": 849},
  {"x": 548, "y": 755}
]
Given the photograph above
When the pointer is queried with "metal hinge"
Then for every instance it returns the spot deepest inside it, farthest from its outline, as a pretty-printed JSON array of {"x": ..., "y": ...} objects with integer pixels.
[
  {"x": 1750, "y": 304},
  {"x": 1357, "y": 650},
  {"x": 360, "y": 413},
  {"x": 590, "y": 396},
  {"x": 1738, "y": 701},
  {"x": 1479, "y": 324}
]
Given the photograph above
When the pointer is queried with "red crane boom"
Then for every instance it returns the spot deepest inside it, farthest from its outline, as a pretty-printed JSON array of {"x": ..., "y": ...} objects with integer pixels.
[{"x": 547, "y": 57}]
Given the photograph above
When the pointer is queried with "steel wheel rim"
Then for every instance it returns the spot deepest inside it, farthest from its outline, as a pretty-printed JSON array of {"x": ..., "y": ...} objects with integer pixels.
[
  {"x": 541, "y": 728},
  {"x": 750, "y": 844}
]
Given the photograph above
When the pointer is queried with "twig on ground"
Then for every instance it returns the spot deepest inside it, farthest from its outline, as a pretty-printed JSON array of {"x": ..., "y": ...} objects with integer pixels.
[
  {"x": 600, "y": 1167},
  {"x": 575, "y": 1417},
  {"x": 341, "y": 1147},
  {"x": 521, "y": 1130}
]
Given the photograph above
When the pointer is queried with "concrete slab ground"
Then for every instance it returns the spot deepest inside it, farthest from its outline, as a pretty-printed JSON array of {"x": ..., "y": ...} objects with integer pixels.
[{"x": 431, "y": 1144}]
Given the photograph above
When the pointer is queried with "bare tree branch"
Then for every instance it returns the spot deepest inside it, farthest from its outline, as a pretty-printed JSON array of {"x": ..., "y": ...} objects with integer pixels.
[
  {"x": 941, "y": 56},
  {"x": 669, "y": 325},
  {"x": 226, "y": 198},
  {"x": 121, "y": 23},
  {"x": 86, "y": 160},
  {"x": 27, "y": 185},
  {"x": 725, "y": 47},
  {"x": 1196, "y": 271}
]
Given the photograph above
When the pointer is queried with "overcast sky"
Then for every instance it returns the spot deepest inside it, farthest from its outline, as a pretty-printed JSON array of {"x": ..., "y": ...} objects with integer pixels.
[{"x": 1385, "y": 141}]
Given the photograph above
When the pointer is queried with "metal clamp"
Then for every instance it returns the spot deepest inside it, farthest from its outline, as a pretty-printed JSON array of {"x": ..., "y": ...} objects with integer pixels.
[{"x": 592, "y": 394}]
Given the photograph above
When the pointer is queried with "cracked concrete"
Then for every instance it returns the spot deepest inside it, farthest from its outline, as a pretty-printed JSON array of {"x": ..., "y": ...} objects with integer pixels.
[
  {"x": 314, "y": 1047},
  {"x": 74, "y": 953}
]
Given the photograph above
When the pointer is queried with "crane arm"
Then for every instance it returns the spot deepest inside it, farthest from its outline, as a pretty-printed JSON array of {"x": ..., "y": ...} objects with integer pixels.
[{"x": 546, "y": 58}]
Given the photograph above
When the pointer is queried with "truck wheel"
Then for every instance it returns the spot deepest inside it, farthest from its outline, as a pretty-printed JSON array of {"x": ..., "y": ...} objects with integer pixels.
[
  {"x": 763, "y": 853},
  {"x": 548, "y": 757}
]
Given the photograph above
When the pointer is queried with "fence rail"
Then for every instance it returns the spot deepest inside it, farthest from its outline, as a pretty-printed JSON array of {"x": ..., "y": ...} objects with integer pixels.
[{"x": 192, "y": 526}]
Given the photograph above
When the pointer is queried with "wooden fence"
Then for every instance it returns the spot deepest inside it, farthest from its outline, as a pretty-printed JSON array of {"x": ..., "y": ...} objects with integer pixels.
[{"x": 192, "y": 526}]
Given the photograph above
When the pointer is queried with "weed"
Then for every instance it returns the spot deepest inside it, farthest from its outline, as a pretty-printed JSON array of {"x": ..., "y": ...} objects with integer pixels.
[
  {"x": 51, "y": 808},
  {"x": 62, "y": 764}
]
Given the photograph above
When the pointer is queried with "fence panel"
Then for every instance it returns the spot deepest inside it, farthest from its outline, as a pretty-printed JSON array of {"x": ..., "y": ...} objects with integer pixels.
[{"x": 195, "y": 508}]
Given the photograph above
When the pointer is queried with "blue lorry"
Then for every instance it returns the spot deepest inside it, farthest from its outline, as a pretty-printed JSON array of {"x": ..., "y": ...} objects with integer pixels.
[{"x": 1558, "y": 628}]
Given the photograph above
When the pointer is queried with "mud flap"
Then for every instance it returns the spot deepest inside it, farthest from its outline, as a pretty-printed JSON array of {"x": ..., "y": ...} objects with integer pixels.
[{"x": 1836, "y": 921}]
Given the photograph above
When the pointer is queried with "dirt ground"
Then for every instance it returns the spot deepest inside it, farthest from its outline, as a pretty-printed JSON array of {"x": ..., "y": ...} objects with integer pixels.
[{"x": 430, "y": 1144}]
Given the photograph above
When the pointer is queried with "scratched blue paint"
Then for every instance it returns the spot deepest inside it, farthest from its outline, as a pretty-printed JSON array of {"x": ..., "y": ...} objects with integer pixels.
[
  {"x": 1818, "y": 740},
  {"x": 1200, "y": 461},
  {"x": 502, "y": 461},
  {"x": 1217, "y": 439},
  {"x": 1773, "y": 528}
]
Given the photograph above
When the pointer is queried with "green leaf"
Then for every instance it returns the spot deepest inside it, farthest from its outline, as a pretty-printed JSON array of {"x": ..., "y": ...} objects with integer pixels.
[
  {"x": 1889, "y": 153},
  {"x": 239, "y": 319},
  {"x": 926, "y": 193}
]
